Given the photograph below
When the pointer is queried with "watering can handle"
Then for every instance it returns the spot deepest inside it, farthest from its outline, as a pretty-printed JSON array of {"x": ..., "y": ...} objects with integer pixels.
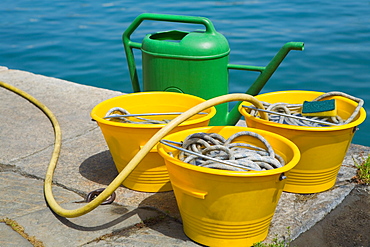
[{"x": 128, "y": 44}]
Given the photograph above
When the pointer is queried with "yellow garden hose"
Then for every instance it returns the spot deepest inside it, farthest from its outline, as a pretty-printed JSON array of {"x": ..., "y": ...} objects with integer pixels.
[{"x": 135, "y": 160}]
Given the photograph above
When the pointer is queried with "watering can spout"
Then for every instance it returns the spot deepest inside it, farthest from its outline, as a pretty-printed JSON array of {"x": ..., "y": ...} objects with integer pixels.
[
  {"x": 234, "y": 115},
  {"x": 267, "y": 72}
]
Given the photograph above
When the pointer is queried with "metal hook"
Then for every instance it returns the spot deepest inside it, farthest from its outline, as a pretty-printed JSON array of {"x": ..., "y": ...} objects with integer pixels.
[{"x": 93, "y": 194}]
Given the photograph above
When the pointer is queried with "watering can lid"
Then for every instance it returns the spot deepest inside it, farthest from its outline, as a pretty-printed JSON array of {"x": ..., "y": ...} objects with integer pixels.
[{"x": 186, "y": 44}]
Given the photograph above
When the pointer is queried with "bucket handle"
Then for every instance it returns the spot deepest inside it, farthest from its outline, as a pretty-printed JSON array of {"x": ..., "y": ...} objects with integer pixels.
[
  {"x": 129, "y": 45},
  {"x": 190, "y": 191}
]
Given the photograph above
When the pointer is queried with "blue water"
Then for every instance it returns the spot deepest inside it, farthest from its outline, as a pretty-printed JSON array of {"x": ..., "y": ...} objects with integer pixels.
[{"x": 80, "y": 41}]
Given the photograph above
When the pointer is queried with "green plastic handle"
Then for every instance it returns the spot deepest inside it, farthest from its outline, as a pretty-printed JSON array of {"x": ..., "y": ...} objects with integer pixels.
[{"x": 129, "y": 45}]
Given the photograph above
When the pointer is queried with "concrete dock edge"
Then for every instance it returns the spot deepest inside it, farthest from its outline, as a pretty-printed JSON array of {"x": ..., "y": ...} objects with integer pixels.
[{"x": 85, "y": 164}]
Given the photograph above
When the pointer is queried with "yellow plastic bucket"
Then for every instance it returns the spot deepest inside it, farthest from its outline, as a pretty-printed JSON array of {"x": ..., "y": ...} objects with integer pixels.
[
  {"x": 227, "y": 208},
  {"x": 126, "y": 139},
  {"x": 322, "y": 148}
]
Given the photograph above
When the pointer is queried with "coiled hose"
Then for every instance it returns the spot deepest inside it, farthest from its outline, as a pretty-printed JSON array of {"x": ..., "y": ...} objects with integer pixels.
[{"x": 71, "y": 213}]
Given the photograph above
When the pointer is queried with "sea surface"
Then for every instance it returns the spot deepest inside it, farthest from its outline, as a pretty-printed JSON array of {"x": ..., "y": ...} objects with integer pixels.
[{"x": 80, "y": 41}]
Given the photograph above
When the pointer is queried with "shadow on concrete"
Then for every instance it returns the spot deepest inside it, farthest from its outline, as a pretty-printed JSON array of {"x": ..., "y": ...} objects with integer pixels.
[
  {"x": 166, "y": 225},
  {"x": 93, "y": 224},
  {"x": 169, "y": 222},
  {"x": 116, "y": 215},
  {"x": 99, "y": 168},
  {"x": 164, "y": 202}
]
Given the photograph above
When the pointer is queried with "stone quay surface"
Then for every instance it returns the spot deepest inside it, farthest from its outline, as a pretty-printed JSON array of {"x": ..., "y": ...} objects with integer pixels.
[{"x": 85, "y": 164}]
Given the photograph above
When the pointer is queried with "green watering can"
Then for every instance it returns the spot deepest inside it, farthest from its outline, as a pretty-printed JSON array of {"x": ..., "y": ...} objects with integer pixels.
[{"x": 195, "y": 63}]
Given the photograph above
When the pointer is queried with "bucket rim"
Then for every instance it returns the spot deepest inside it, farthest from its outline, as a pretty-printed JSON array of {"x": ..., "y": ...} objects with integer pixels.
[
  {"x": 361, "y": 118},
  {"x": 211, "y": 111},
  {"x": 288, "y": 166}
]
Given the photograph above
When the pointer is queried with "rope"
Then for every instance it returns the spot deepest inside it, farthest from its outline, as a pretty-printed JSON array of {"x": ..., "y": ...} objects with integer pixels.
[
  {"x": 239, "y": 156},
  {"x": 118, "y": 111},
  {"x": 295, "y": 110},
  {"x": 358, "y": 100}
]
